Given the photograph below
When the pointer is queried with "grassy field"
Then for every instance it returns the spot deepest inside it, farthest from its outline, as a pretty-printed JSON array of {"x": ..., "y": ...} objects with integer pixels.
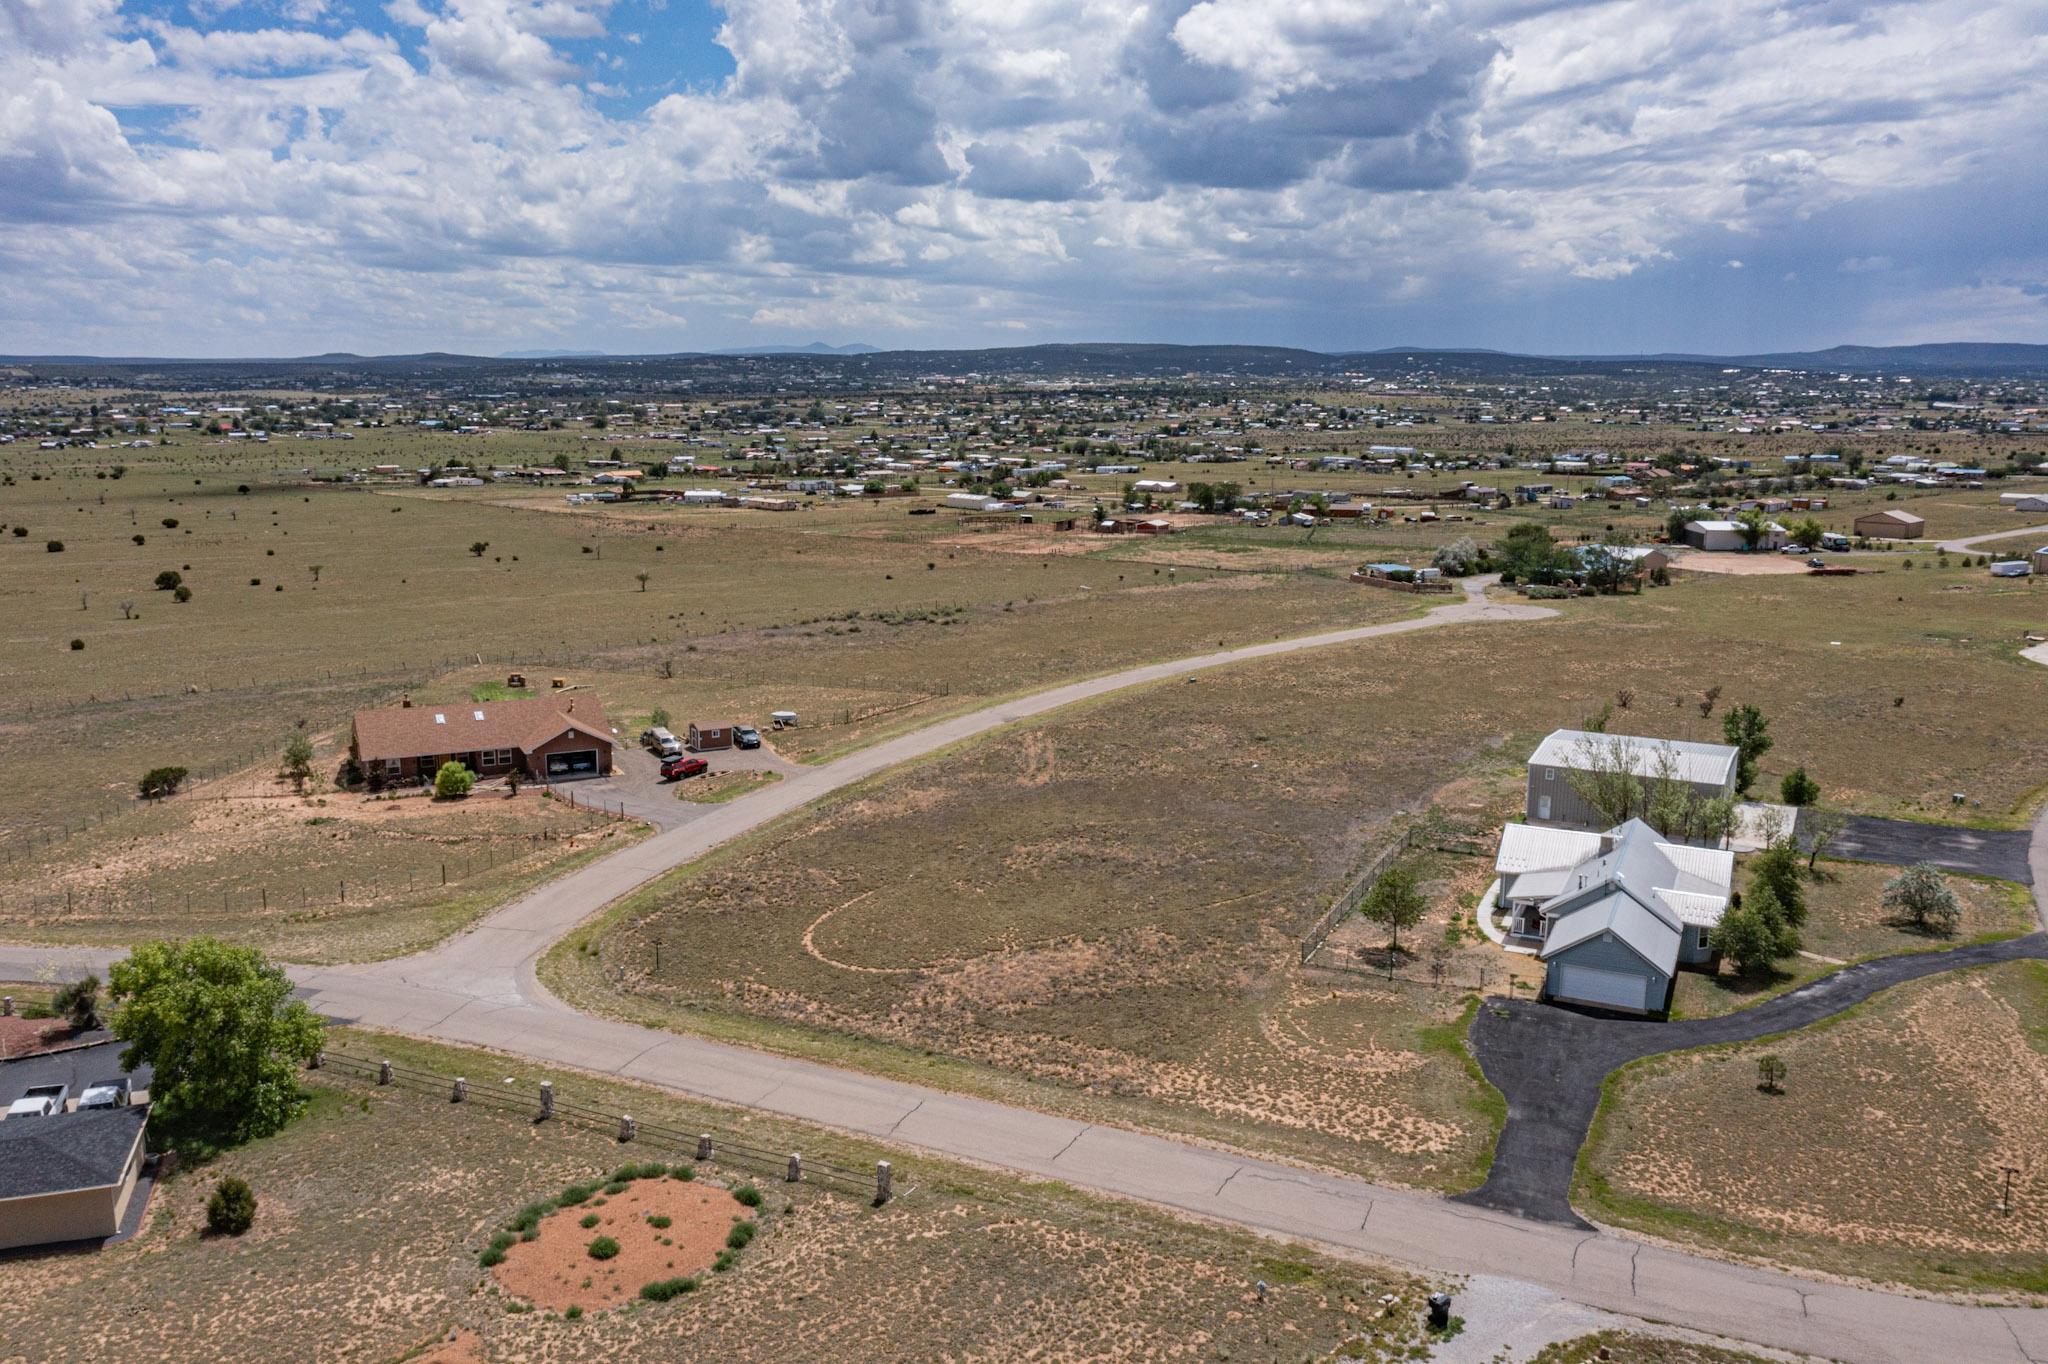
[
  {"x": 1846, "y": 921},
  {"x": 374, "y": 1207},
  {"x": 318, "y": 878},
  {"x": 1924, "y": 1095}
]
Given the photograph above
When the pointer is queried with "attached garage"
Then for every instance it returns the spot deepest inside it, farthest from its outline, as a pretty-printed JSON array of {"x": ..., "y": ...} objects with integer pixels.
[
  {"x": 68, "y": 1178},
  {"x": 1601, "y": 988}
]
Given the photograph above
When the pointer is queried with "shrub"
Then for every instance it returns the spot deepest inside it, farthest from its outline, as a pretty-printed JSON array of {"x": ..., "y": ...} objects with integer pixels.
[
  {"x": 686, "y": 1173},
  {"x": 661, "y": 1290},
  {"x": 232, "y": 1208},
  {"x": 615, "y": 1188},
  {"x": 453, "y": 781},
  {"x": 747, "y": 1196},
  {"x": 76, "y": 645},
  {"x": 590, "y": 1219},
  {"x": 726, "y": 1260},
  {"x": 492, "y": 1256},
  {"x": 574, "y": 1194},
  {"x": 170, "y": 523},
  {"x": 161, "y": 781},
  {"x": 183, "y": 594},
  {"x": 574, "y": 1313},
  {"x": 21, "y": 532},
  {"x": 1922, "y": 898},
  {"x": 78, "y": 1003},
  {"x": 603, "y": 1248},
  {"x": 55, "y": 546},
  {"x": 740, "y": 1236},
  {"x": 1798, "y": 789},
  {"x": 660, "y": 1221},
  {"x": 168, "y": 580}
]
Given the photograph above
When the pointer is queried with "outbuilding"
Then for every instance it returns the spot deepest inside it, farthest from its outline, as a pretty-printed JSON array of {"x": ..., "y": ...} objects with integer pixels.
[
  {"x": 1891, "y": 524},
  {"x": 704, "y": 737},
  {"x": 69, "y": 1177}
]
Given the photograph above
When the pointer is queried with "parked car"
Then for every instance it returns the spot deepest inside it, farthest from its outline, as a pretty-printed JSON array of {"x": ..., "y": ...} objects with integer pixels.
[
  {"x": 105, "y": 1094},
  {"x": 660, "y": 742},
  {"x": 39, "y": 1101},
  {"x": 680, "y": 765},
  {"x": 746, "y": 736}
]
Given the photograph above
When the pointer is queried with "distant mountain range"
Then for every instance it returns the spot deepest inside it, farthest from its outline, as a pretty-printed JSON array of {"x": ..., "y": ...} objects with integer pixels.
[{"x": 857, "y": 363}]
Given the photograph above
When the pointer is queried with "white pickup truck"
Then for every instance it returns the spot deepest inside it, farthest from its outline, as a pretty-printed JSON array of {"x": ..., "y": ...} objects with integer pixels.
[{"x": 39, "y": 1101}]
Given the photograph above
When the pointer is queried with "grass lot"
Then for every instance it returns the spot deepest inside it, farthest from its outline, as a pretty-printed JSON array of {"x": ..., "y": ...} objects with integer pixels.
[
  {"x": 1846, "y": 921},
  {"x": 374, "y": 1207},
  {"x": 317, "y": 878},
  {"x": 1630, "y": 1347},
  {"x": 1923, "y": 1095}
]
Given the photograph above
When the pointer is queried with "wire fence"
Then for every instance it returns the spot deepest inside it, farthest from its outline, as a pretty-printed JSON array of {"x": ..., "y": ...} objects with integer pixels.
[
  {"x": 1353, "y": 895},
  {"x": 544, "y": 1105}
]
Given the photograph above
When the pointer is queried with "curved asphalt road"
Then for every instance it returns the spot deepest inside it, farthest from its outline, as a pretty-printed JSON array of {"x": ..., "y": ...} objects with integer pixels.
[
  {"x": 1972, "y": 544},
  {"x": 479, "y": 989}
]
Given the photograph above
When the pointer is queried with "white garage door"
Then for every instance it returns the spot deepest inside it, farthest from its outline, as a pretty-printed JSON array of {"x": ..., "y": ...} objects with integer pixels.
[{"x": 1590, "y": 985}]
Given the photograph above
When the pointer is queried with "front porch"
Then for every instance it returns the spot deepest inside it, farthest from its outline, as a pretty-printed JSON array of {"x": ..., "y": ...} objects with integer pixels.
[{"x": 1512, "y": 928}]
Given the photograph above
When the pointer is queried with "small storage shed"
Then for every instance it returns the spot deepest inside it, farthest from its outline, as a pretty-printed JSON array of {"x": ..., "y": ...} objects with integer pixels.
[{"x": 703, "y": 738}]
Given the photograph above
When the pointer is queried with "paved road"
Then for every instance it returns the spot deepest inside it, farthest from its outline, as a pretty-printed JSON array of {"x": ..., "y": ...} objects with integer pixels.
[
  {"x": 1970, "y": 545},
  {"x": 479, "y": 989},
  {"x": 2001, "y": 853}
]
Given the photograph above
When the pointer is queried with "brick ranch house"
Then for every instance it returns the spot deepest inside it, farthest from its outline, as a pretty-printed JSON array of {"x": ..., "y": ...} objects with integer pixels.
[{"x": 548, "y": 738}]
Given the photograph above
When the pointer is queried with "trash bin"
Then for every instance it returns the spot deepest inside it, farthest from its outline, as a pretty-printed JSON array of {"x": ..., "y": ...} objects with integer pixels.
[{"x": 1439, "y": 1311}]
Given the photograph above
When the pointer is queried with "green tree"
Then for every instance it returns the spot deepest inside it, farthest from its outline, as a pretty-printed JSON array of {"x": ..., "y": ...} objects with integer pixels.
[
  {"x": 1778, "y": 868},
  {"x": 477, "y": 547},
  {"x": 223, "y": 1033},
  {"x": 1749, "y": 731},
  {"x": 1753, "y": 527},
  {"x": 168, "y": 580},
  {"x": 1798, "y": 789},
  {"x": 1770, "y": 1073},
  {"x": 1527, "y": 554},
  {"x": 298, "y": 758},
  {"x": 159, "y": 782},
  {"x": 659, "y": 719},
  {"x": 78, "y": 1003},
  {"x": 231, "y": 1210},
  {"x": 453, "y": 781},
  {"x": 1746, "y": 940},
  {"x": 1821, "y": 825},
  {"x": 1395, "y": 902},
  {"x": 1921, "y": 897},
  {"x": 1806, "y": 533}
]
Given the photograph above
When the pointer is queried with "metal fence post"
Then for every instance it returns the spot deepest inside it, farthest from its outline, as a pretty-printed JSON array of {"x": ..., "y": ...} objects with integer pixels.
[
  {"x": 547, "y": 1098},
  {"x": 884, "y": 1182},
  {"x": 796, "y": 1167},
  {"x": 460, "y": 1092},
  {"x": 704, "y": 1146},
  {"x": 383, "y": 1072}
]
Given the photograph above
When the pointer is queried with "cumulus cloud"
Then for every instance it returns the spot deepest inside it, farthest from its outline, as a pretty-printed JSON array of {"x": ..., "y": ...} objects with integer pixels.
[{"x": 951, "y": 170}]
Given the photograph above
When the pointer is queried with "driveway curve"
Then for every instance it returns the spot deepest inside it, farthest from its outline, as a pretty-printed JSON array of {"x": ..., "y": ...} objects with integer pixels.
[{"x": 1973, "y": 544}]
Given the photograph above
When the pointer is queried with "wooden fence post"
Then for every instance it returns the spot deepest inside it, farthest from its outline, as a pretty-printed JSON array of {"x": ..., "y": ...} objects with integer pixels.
[
  {"x": 704, "y": 1146},
  {"x": 547, "y": 1098},
  {"x": 626, "y": 1128},
  {"x": 460, "y": 1092},
  {"x": 796, "y": 1167},
  {"x": 884, "y": 1182},
  {"x": 383, "y": 1072}
]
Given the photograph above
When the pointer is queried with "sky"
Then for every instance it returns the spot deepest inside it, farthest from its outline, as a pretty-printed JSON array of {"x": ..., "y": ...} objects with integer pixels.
[{"x": 284, "y": 177}]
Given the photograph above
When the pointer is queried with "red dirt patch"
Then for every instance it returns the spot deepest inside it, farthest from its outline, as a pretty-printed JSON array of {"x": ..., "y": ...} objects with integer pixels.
[
  {"x": 458, "y": 1347},
  {"x": 23, "y": 1036},
  {"x": 555, "y": 1270}
]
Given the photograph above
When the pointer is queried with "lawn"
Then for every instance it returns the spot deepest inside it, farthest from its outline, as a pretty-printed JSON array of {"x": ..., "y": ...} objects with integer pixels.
[
  {"x": 373, "y": 1210},
  {"x": 1847, "y": 921},
  {"x": 1925, "y": 1095}
]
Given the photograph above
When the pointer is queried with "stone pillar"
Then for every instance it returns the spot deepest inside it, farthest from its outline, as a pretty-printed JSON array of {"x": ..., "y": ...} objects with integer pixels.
[
  {"x": 884, "y": 1182},
  {"x": 704, "y": 1146},
  {"x": 383, "y": 1072},
  {"x": 460, "y": 1092},
  {"x": 625, "y": 1127},
  {"x": 796, "y": 1167},
  {"x": 547, "y": 1098}
]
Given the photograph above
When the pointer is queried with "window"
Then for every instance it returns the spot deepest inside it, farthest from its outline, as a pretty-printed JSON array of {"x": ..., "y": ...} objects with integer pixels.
[
  {"x": 1550, "y": 774},
  {"x": 394, "y": 766},
  {"x": 1703, "y": 934}
]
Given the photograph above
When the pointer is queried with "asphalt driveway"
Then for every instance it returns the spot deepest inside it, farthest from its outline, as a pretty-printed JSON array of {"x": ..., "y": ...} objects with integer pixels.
[{"x": 2001, "y": 853}]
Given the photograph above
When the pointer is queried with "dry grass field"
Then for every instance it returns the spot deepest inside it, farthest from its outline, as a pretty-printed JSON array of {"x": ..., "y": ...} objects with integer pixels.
[
  {"x": 1888, "y": 1145},
  {"x": 1108, "y": 902},
  {"x": 1631, "y": 1347},
  {"x": 1847, "y": 921},
  {"x": 318, "y": 878},
  {"x": 374, "y": 1207}
]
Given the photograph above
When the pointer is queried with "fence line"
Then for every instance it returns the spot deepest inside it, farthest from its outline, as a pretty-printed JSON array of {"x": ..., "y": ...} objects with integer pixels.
[
  {"x": 1352, "y": 895},
  {"x": 546, "y": 1106}
]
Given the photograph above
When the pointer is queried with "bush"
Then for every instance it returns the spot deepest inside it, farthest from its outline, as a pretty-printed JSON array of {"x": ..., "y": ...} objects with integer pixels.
[
  {"x": 686, "y": 1173},
  {"x": 740, "y": 1236},
  {"x": 726, "y": 1260},
  {"x": 574, "y": 1194},
  {"x": 168, "y": 580},
  {"x": 590, "y": 1219},
  {"x": 453, "y": 781},
  {"x": 615, "y": 1188},
  {"x": 528, "y": 1217},
  {"x": 603, "y": 1248},
  {"x": 574, "y": 1313},
  {"x": 55, "y": 546},
  {"x": 76, "y": 645},
  {"x": 170, "y": 523},
  {"x": 660, "y": 1221},
  {"x": 747, "y": 1196},
  {"x": 182, "y": 594},
  {"x": 661, "y": 1290},
  {"x": 78, "y": 1003},
  {"x": 161, "y": 781},
  {"x": 232, "y": 1208},
  {"x": 1922, "y": 898},
  {"x": 1799, "y": 789}
]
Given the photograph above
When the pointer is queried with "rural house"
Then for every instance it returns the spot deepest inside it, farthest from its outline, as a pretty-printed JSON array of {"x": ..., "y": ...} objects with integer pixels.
[
  {"x": 1728, "y": 536},
  {"x": 550, "y": 738},
  {"x": 1891, "y": 525},
  {"x": 69, "y": 1176},
  {"x": 1616, "y": 913},
  {"x": 1708, "y": 769}
]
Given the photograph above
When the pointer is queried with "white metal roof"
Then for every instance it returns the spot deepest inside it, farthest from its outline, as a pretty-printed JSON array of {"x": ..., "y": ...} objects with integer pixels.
[
  {"x": 1525, "y": 847},
  {"x": 1707, "y": 764},
  {"x": 1652, "y": 939}
]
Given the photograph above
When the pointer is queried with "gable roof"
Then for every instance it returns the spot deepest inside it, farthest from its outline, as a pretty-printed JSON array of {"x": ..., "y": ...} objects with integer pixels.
[
  {"x": 66, "y": 1152},
  {"x": 1635, "y": 927},
  {"x": 465, "y": 726},
  {"x": 1703, "y": 764},
  {"x": 1903, "y": 518}
]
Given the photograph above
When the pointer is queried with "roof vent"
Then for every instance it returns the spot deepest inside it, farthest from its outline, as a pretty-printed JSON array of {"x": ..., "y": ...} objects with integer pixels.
[
  {"x": 440, "y": 719},
  {"x": 479, "y": 714}
]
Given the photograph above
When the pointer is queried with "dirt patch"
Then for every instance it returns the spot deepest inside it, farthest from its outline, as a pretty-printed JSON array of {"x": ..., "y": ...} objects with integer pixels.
[
  {"x": 1742, "y": 565},
  {"x": 458, "y": 1347},
  {"x": 557, "y": 1271},
  {"x": 25, "y": 1036}
]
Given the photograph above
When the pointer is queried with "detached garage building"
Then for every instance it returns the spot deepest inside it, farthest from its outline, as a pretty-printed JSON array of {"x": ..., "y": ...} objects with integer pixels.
[
  {"x": 1891, "y": 525},
  {"x": 548, "y": 738},
  {"x": 70, "y": 1176}
]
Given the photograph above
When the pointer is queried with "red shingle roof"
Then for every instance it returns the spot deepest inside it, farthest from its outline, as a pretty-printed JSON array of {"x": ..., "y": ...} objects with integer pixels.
[{"x": 465, "y": 726}]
